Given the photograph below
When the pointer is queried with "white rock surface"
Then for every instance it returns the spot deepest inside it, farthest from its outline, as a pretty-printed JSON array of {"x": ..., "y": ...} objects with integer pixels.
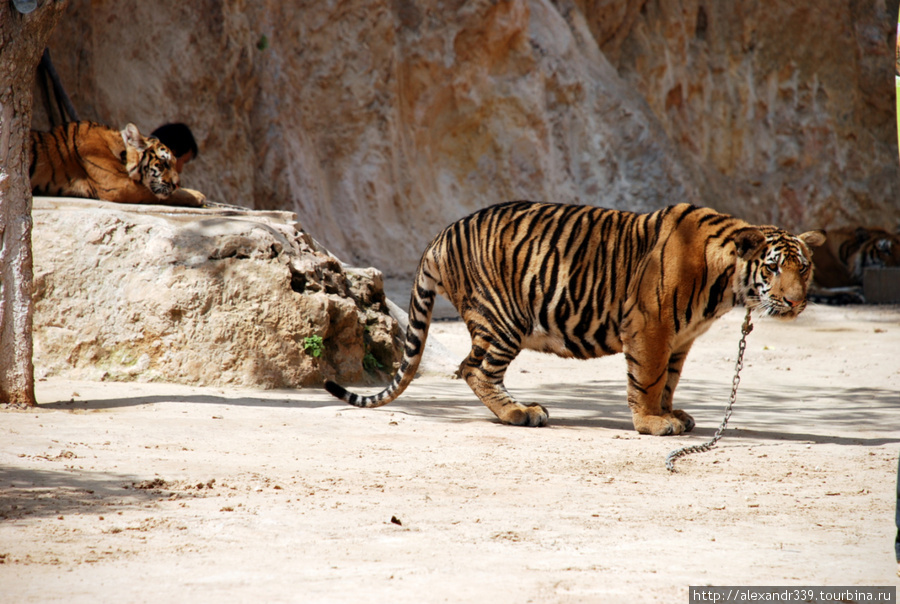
[{"x": 198, "y": 296}]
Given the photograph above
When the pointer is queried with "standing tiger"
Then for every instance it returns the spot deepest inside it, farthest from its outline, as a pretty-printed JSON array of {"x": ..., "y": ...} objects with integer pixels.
[
  {"x": 84, "y": 159},
  {"x": 586, "y": 282}
]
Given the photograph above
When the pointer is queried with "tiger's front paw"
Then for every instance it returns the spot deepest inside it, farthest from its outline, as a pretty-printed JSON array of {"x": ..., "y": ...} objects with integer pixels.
[
  {"x": 187, "y": 197},
  {"x": 663, "y": 425},
  {"x": 686, "y": 419},
  {"x": 533, "y": 415}
]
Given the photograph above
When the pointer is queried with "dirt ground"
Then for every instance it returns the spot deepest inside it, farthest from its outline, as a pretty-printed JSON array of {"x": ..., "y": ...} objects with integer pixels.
[{"x": 133, "y": 492}]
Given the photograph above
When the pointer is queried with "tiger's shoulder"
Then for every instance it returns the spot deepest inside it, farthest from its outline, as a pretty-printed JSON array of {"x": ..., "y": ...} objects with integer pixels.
[
  {"x": 57, "y": 166},
  {"x": 87, "y": 159}
]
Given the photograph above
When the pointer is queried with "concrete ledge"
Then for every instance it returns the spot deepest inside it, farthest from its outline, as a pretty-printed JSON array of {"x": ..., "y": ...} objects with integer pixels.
[{"x": 882, "y": 285}]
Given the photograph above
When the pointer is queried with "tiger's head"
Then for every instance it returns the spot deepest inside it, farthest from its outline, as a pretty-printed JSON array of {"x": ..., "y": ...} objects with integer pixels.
[
  {"x": 149, "y": 162},
  {"x": 776, "y": 271}
]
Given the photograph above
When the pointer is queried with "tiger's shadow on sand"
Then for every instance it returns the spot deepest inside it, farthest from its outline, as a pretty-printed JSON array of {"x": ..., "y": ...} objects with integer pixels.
[
  {"x": 856, "y": 416},
  {"x": 852, "y": 416}
]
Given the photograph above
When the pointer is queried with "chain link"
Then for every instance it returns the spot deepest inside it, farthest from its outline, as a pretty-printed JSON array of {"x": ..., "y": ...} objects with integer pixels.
[{"x": 746, "y": 328}]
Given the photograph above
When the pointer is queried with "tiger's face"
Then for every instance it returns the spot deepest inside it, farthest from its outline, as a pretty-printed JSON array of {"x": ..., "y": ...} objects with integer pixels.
[
  {"x": 777, "y": 275},
  {"x": 150, "y": 162},
  {"x": 157, "y": 169}
]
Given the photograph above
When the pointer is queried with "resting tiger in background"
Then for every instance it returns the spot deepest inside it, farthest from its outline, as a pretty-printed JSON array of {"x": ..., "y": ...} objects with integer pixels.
[
  {"x": 587, "y": 282},
  {"x": 85, "y": 159},
  {"x": 841, "y": 262}
]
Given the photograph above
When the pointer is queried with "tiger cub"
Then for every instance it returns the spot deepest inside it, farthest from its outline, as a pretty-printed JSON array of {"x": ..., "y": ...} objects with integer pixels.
[
  {"x": 85, "y": 159},
  {"x": 586, "y": 282}
]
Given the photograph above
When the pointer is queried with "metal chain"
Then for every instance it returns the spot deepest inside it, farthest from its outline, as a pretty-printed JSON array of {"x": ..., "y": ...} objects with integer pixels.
[{"x": 746, "y": 328}]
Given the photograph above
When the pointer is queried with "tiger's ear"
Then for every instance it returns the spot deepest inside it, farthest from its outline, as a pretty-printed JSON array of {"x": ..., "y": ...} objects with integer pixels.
[
  {"x": 748, "y": 241},
  {"x": 132, "y": 137},
  {"x": 812, "y": 238}
]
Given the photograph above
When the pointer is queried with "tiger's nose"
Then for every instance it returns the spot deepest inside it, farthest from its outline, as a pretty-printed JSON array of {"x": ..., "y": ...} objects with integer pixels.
[{"x": 792, "y": 303}]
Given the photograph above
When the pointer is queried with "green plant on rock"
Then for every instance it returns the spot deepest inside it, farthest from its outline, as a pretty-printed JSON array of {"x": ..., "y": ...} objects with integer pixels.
[
  {"x": 370, "y": 363},
  {"x": 314, "y": 346}
]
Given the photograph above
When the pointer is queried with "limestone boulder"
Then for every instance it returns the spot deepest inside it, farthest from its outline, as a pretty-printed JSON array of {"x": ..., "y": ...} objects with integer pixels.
[{"x": 200, "y": 296}]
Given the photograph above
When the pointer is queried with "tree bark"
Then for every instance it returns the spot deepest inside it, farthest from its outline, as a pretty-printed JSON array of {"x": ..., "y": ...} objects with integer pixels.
[{"x": 22, "y": 40}]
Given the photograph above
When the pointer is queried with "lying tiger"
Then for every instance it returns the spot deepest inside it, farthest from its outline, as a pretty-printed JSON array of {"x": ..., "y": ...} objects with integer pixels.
[
  {"x": 841, "y": 263},
  {"x": 84, "y": 159},
  {"x": 587, "y": 282}
]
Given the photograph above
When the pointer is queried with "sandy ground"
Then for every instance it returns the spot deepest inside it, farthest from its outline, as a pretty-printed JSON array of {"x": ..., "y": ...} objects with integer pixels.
[{"x": 133, "y": 492}]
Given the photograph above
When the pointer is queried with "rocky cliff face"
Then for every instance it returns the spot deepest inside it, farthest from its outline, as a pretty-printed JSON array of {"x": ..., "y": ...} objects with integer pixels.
[
  {"x": 785, "y": 108},
  {"x": 380, "y": 122}
]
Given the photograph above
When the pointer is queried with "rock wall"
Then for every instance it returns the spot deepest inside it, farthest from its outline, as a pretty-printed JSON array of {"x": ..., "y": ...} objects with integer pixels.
[
  {"x": 378, "y": 122},
  {"x": 785, "y": 107},
  {"x": 200, "y": 296}
]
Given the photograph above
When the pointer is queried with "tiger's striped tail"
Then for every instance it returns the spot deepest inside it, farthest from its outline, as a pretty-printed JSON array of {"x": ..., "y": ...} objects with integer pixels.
[{"x": 421, "y": 304}]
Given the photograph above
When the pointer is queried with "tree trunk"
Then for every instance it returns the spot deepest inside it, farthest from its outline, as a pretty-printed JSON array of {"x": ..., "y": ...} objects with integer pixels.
[{"x": 22, "y": 40}]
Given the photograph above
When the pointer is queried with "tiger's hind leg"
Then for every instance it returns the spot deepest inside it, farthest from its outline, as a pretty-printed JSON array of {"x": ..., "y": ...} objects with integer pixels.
[{"x": 484, "y": 370}]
